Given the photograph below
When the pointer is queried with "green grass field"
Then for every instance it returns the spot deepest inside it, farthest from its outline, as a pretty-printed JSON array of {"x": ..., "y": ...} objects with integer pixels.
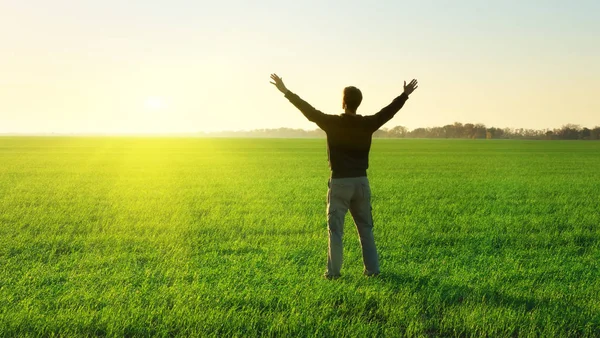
[{"x": 228, "y": 237}]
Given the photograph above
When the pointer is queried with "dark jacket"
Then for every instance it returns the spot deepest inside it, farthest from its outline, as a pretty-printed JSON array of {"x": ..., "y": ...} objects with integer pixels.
[{"x": 348, "y": 136}]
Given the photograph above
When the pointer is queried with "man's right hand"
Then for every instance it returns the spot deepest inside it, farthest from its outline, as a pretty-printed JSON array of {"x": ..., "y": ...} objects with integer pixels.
[
  {"x": 408, "y": 89},
  {"x": 278, "y": 82}
]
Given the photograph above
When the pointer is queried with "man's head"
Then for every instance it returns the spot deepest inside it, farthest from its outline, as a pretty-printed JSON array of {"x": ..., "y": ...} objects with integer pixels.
[{"x": 352, "y": 99}]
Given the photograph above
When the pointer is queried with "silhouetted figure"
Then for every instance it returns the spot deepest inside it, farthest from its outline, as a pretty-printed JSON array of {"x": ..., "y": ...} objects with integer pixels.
[{"x": 348, "y": 144}]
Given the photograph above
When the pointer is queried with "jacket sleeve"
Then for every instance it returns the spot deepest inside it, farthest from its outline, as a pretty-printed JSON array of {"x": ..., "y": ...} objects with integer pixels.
[
  {"x": 311, "y": 113},
  {"x": 387, "y": 113}
]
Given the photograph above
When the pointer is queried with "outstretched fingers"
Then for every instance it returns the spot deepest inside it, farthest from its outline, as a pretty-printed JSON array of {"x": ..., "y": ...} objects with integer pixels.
[
  {"x": 412, "y": 85},
  {"x": 278, "y": 83},
  {"x": 275, "y": 79}
]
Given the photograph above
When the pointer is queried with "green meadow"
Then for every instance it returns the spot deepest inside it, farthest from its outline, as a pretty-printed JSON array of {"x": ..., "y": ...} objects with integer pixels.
[{"x": 135, "y": 236}]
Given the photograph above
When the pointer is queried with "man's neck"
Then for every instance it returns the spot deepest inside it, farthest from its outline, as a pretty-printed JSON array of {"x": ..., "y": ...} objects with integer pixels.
[{"x": 349, "y": 112}]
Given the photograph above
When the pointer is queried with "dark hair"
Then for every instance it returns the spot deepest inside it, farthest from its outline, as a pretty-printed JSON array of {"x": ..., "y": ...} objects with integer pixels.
[{"x": 352, "y": 98}]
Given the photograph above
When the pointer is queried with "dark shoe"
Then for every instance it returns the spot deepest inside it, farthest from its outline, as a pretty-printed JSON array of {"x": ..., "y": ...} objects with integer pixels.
[
  {"x": 330, "y": 277},
  {"x": 371, "y": 274}
]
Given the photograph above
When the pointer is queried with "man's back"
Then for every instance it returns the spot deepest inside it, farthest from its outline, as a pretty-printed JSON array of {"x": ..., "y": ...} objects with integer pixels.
[
  {"x": 348, "y": 145},
  {"x": 348, "y": 135}
]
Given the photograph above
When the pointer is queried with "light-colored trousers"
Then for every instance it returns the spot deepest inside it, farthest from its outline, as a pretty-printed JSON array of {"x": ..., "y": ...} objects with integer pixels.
[{"x": 352, "y": 194}]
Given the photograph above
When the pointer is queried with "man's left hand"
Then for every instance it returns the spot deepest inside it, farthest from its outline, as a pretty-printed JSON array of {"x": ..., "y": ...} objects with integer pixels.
[{"x": 278, "y": 82}]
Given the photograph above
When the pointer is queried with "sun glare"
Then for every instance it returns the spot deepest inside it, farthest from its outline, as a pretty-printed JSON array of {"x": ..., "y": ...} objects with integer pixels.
[{"x": 154, "y": 103}]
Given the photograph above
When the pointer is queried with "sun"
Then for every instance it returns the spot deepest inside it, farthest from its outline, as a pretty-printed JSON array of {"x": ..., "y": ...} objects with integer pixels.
[{"x": 154, "y": 103}]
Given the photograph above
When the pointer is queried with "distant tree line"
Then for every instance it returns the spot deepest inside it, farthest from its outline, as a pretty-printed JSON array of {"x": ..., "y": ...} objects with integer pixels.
[
  {"x": 480, "y": 131},
  {"x": 456, "y": 130}
]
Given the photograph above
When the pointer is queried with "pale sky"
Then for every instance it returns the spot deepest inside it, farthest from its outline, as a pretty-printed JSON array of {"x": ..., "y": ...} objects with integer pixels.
[{"x": 115, "y": 66}]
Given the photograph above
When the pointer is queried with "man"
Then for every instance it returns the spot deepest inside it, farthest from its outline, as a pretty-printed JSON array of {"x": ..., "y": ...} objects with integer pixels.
[{"x": 348, "y": 144}]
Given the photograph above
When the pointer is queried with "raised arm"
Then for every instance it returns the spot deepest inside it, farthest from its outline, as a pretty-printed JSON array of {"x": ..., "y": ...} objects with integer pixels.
[
  {"x": 309, "y": 111},
  {"x": 388, "y": 112}
]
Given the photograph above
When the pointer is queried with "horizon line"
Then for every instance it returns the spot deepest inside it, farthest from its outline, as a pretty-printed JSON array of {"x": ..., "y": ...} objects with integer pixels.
[{"x": 199, "y": 133}]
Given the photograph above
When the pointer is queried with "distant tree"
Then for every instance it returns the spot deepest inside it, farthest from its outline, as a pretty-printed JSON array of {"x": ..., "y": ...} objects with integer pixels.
[
  {"x": 532, "y": 134},
  {"x": 458, "y": 129},
  {"x": 468, "y": 130},
  {"x": 437, "y": 132},
  {"x": 595, "y": 133},
  {"x": 479, "y": 131},
  {"x": 381, "y": 133},
  {"x": 519, "y": 133},
  {"x": 494, "y": 133},
  {"x": 418, "y": 133},
  {"x": 398, "y": 132},
  {"x": 569, "y": 132},
  {"x": 585, "y": 134},
  {"x": 448, "y": 131},
  {"x": 508, "y": 132}
]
